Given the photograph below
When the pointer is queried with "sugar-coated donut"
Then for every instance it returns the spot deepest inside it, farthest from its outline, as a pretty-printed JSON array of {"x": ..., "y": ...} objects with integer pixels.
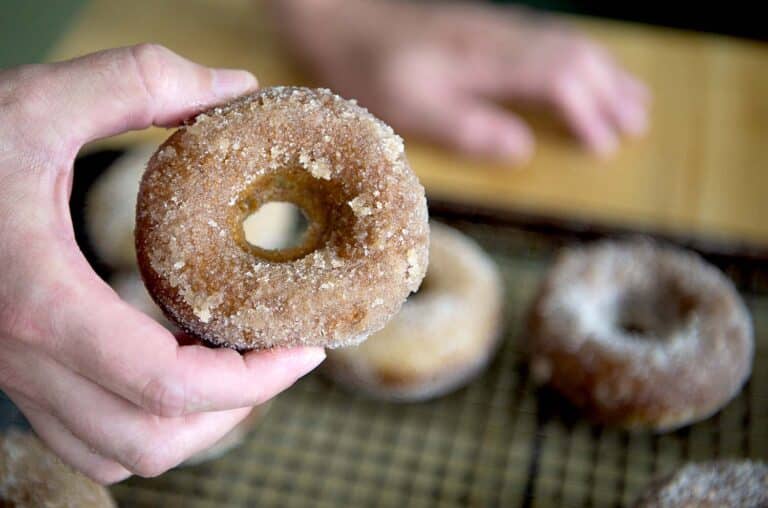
[
  {"x": 110, "y": 213},
  {"x": 721, "y": 484},
  {"x": 442, "y": 337},
  {"x": 365, "y": 248},
  {"x": 640, "y": 335},
  {"x": 31, "y": 476},
  {"x": 231, "y": 439}
]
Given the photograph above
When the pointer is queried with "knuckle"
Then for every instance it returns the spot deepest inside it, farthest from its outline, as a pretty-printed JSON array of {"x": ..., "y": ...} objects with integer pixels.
[
  {"x": 148, "y": 461},
  {"x": 24, "y": 97},
  {"x": 148, "y": 454},
  {"x": 163, "y": 397},
  {"x": 150, "y": 54},
  {"x": 583, "y": 55},
  {"x": 151, "y": 62}
]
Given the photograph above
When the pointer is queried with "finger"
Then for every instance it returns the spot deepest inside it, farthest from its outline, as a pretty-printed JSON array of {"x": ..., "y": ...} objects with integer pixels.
[
  {"x": 576, "y": 104},
  {"x": 70, "y": 449},
  {"x": 478, "y": 129},
  {"x": 130, "y": 354},
  {"x": 111, "y": 91},
  {"x": 625, "y": 111},
  {"x": 635, "y": 98},
  {"x": 143, "y": 444},
  {"x": 632, "y": 87},
  {"x": 629, "y": 115}
]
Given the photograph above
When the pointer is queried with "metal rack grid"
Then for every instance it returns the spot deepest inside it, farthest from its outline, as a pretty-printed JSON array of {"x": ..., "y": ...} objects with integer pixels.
[{"x": 498, "y": 442}]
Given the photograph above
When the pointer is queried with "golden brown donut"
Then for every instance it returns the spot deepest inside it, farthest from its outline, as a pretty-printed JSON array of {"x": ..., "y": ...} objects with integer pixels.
[
  {"x": 364, "y": 250},
  {"x": 720, "y": 484},
  {"x": 442, "y": 337},
  {"x": 110, "y": 213},
  {"x": 640, "y": 335},
  {"x": 31, "y": 476}
]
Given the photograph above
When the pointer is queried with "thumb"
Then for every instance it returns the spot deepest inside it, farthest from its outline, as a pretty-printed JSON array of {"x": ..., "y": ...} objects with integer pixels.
[{"x": 112, "y": 91}]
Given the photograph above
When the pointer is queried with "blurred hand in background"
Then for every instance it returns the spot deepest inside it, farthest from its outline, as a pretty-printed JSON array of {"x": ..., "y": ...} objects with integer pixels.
[
  {"x": 442, "y": 70},
  {"x": 106, "y": 387}
]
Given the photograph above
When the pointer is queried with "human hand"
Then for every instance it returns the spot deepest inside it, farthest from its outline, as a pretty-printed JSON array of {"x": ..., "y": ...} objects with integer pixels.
[
  {"x": 440, "y": 70},
  {"x": 107, "y": 388}
]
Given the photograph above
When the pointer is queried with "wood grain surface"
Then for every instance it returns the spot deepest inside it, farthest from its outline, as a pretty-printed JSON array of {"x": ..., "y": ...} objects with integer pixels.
[{"x": 701, "y": 170}]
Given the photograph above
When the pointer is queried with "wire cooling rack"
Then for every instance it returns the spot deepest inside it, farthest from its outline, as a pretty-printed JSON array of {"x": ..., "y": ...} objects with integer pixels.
[{"x": 498, "y": 442}]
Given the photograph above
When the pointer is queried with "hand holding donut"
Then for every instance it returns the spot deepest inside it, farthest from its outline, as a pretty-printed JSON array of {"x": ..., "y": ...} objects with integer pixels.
[
  {"x": 106, "y": 387},
  {"x": 439, "y": 70}
]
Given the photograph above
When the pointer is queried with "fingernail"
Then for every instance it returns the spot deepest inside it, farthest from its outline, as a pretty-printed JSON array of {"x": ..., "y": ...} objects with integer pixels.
[
  {"x": 307, "y": 358},
  {"x": 231, "y": 82}
]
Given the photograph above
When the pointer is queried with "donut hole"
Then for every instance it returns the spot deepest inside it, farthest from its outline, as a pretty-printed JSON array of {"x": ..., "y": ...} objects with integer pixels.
[
  {"x": 260, "y": 230},
  {"x": 307, "y": 196},
  {"x": 654, "y": 313}
]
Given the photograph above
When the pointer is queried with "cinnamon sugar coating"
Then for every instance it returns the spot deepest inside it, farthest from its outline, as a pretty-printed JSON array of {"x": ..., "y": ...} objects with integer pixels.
[
  {"x": 719, "y": 484},
  {"x": 110, "y": 213},
  {"x": 441, "y": 338},
  {"x": 640, "y": 335},
  {"x": 31, "y": 476},
  {"x": 365, "y": 249}
]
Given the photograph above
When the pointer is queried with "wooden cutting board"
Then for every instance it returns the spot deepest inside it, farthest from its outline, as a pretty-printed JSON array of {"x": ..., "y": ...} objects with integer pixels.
[{"x": 701, "y": 171}]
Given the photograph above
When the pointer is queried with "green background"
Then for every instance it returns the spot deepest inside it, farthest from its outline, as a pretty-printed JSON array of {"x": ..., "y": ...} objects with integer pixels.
[{"x": 29, "y": 28}]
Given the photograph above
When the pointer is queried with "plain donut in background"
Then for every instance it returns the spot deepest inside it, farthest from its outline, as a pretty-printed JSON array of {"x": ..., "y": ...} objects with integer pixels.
[{"x": 442, "y": 337}]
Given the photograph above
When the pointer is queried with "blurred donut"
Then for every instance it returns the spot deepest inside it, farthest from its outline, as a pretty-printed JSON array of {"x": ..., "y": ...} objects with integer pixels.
[
  {"x": 31, "y": 476},
  {"x": 718, "y": 484},
  {"x": 640, "y": 335},
  {"x": 365, "y": 248},
  {"x": 441, "y": 338},
  {"x": 110, "y": 211}
]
